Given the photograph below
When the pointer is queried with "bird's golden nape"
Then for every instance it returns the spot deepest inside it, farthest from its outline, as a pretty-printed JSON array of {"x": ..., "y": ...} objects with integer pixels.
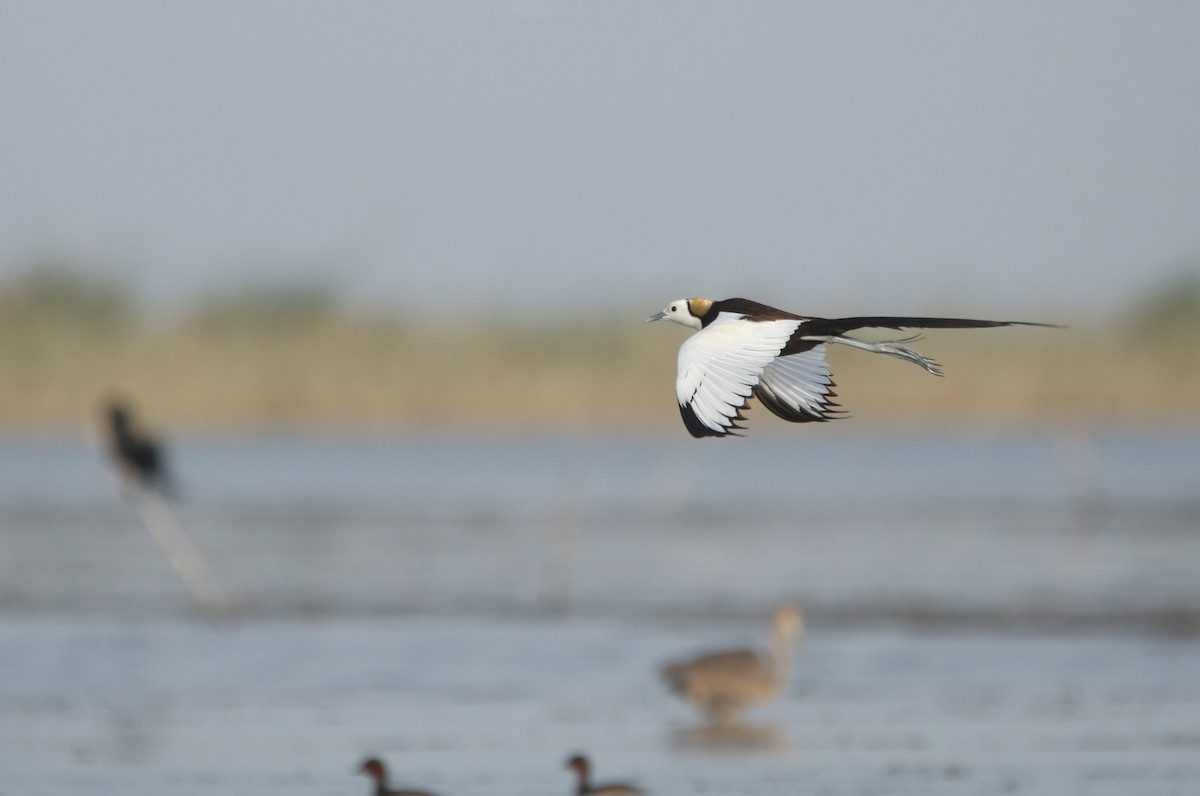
[
  {"x": 743, "y": 350},
  {"x": 699, "y": 307}
]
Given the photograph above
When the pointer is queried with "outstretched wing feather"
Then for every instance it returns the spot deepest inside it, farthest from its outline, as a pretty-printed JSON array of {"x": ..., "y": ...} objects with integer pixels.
[
  {"x": 799, "y": 388},
  {"x": 720, "y": 366}
]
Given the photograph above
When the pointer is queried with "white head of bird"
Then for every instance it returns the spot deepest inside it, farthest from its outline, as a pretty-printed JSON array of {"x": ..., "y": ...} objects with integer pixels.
[{"x": 686, "y": 312}]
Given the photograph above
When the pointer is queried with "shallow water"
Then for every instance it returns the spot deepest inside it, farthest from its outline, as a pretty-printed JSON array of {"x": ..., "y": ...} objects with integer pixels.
[
  {"x": 987, "y": 615},
  {"x": 468, "y": 704}
]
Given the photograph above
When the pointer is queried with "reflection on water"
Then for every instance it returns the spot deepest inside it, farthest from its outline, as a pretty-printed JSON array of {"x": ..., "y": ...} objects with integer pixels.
[{"x": 731, "y": 738}]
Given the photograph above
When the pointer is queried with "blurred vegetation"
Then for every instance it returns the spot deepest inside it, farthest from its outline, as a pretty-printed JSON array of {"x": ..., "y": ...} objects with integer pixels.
[
  {"x": 261, "y": 306},
  {"x": 52, "y": 296},
  {"x": 293, "y": 355},
  {"x": 1171, "y": 308}
]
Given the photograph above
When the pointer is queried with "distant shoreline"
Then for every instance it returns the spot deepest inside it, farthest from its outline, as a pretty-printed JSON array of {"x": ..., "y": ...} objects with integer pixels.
[{"x": 361, "y": 374}]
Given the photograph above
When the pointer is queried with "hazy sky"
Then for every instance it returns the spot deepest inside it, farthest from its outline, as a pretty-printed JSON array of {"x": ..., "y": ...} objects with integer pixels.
[{"x": 835, "y": 157}]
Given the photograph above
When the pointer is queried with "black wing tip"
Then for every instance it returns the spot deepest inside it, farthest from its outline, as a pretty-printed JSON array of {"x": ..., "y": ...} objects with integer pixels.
[
  {"x": 699, "y": 430},
  {"x": 828, "y": 408}
]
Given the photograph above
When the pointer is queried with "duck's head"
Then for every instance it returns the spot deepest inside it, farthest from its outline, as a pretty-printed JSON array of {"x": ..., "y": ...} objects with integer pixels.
[
  {"x": 373, "y": 768},
  {"x": 686, "y": 312},
  {"x": 578, "y": 764}
]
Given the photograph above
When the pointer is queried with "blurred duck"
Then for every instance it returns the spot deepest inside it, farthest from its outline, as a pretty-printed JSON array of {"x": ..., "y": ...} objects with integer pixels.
[
  {"x": 376, "y": 770},
  {"x": 723, "y": 684},
  {"x": 583, "y": 771},
  {"x": 139, "y": 457}
]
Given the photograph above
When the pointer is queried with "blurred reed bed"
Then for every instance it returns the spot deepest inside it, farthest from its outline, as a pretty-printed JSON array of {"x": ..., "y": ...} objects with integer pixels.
[{"x": 293, "y": 358}]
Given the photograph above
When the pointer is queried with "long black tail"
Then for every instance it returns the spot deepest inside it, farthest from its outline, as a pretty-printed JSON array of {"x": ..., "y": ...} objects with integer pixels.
[{"x": 819, "y": 326}]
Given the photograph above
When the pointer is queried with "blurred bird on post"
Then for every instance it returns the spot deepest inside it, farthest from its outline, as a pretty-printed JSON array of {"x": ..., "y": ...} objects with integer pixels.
[{"x": 139, "y": 457}]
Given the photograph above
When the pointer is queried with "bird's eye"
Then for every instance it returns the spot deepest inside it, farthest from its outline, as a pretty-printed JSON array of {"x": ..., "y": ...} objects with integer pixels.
[{"x": 673, "y": 308}]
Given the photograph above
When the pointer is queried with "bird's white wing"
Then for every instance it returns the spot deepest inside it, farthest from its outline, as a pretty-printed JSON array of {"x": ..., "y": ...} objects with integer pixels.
[
  {"x": 720, "y": 366},
  {"x": 798, "y": 387}
]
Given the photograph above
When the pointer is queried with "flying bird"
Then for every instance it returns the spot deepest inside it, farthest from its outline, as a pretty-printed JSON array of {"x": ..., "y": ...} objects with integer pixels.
[
  {"x": 583, "y": 772},
  {"x": 138, "y": 456},
  {"x": 723, "y": 684},
  {"x": 376, "y": 770},
  {"x": 744, "y": 349}
]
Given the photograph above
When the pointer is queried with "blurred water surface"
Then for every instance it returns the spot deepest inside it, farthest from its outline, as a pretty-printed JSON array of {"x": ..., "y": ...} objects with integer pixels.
[
  {"x": 973, "y": 528},
  {"x": 989, "y": 613}
]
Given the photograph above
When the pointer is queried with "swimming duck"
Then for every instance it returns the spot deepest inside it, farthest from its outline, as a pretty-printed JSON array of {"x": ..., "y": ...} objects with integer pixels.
[
  {"x": 583, "y": 771},
  {"x": 376, "y": 770}
]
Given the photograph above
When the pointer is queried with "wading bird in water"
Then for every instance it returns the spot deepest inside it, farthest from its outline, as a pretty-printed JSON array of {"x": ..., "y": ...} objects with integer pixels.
[
  {"x": 744, "y": 349},
  {"x": 723, "y": 684}
]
